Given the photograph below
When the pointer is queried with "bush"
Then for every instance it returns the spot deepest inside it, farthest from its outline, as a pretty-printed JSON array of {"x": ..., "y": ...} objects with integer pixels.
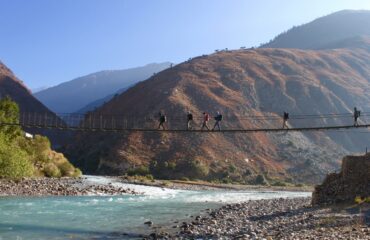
[
  {"x": 279, "y": 184},
  {"x": 141, "y": 171},
  {"x": 184, "y": 179},
  {"x": 51, "y": 170},
  {"x": 66, "y": 169},
  {"x": 359, "y": 200},
  {"x": 232, "y": 168},
  {"x": 261, "y": 180},
  {"x": 14, "y": 162},
  {"x": 198, "y": 169},
  {"x": 23, "y": 157},
  {"x": 9, "y": 113}
]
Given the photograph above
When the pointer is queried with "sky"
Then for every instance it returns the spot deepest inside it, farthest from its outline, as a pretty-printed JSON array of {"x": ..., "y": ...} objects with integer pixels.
[{"x": 46, "y": 42}]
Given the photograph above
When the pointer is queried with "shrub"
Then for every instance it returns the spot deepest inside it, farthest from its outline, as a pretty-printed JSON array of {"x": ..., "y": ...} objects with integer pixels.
[
  {"x": 358, "y": 200},
  {"x": 279, "y": 184},
  {"x": 51, "y": 170},
  {"x": 232, "y": 168},
  {"x": 226, "y": 180},
  {"x": 9, "y": 113},
  {"x": 141, "y": 171},
  {"x": 198, "y": 169},
  {"x": 260, "y": 180},
  {"x": 247, "y": 172},
  {"x": 14, "y": 162},
  {"x": 23, "y": 157},
  {"x": 66, "y": 169}
]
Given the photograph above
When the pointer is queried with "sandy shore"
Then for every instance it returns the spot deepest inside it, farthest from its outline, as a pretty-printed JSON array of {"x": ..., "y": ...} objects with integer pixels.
[{"x": 274, "y": 219}]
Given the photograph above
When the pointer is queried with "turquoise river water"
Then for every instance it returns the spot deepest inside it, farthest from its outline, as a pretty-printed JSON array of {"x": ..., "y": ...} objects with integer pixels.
[{"x": 109, "y": 217}]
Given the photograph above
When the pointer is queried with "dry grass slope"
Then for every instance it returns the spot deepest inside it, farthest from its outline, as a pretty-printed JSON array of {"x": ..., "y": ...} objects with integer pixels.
[{"x": 239, "y": 83}]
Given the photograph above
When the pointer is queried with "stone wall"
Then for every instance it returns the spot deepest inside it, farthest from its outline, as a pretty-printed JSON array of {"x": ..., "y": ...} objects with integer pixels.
[{"x": 352, "y": 181}]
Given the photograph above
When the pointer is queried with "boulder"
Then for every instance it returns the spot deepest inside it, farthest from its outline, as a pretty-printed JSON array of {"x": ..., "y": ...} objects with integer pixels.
[{"x": 352, "y": 181}]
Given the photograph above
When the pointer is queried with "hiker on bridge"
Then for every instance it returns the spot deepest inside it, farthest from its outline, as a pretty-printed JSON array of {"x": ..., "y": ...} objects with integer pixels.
[
  {"x": 218, "y": 119},
  {"x": 356, "y": 115},
  {"x": 189, "y": 121},
  {"x": 285, "y": 120},
  {"x": 205, "y": 121},
  {"x": 162, "y": 121}
]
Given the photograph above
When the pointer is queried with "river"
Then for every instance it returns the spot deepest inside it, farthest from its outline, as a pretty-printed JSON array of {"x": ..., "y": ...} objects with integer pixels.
[{"x": 112, "y": 217}]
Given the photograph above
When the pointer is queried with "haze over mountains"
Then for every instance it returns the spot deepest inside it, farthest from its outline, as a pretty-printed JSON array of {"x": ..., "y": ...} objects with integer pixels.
[
  {"x": 73, "y": 96},
  {"x": 324, "y": 31}
]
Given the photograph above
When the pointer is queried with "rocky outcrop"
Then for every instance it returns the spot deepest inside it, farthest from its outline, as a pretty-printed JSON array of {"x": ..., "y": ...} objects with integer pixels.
[{"x": 352, "y": 181}]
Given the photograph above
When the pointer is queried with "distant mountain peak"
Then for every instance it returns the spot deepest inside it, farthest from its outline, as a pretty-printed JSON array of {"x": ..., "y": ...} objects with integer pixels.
[
  {"x": 75, "y": 94},
  {"x": 324, "y": 31}
]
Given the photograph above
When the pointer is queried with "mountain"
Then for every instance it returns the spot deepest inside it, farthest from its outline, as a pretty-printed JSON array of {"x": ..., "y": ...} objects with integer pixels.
[
  {"x": 324, "y": 31},
  {"x": 97, "y": 103},
  {"x": 38, "y": 89},
  {"x": 240, "y": 84},
  {"x": 11, "y": 86},
  {"x": 74, "y": 95}
]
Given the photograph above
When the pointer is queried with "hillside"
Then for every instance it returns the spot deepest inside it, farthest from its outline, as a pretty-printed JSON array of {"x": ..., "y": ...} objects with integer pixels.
[
  {"x": 74, "y": 95},
  {"x": 324, "y": 31},
  {"x": 238, "y": 83},
  {"x": 11, "y": 86}
]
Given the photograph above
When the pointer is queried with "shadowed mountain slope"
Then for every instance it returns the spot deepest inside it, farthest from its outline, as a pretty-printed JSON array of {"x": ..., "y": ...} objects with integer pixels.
[
  {"x": 11, "y": 86},
  {"x": 74, "y": 95},
  {"x": 239, "y": 84},
  {"x": 324, "y": 31}
]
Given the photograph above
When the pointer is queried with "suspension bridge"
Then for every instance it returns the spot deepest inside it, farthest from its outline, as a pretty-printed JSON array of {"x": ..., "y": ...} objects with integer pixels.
[{"x": 177, "y": 124}]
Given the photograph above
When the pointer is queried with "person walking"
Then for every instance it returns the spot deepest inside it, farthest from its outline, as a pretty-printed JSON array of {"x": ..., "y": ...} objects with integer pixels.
[
  {"x": 218, "y": 119},
  {"x": 205, "y": 121},
  {"x": 189, "y": 121},
  {"x": 285, "y": 120},
  {"x": 356, "y": 115},
  {"x": 162, "y": 121}
]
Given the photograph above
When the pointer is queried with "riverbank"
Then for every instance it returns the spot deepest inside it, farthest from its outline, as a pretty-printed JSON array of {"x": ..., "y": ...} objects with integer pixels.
[
  {"x": 202, "y": 185},
  {"x": 274, "y": 219},
  {"x": 115, "y": 186},
  {"x": 59, "y": 187}
]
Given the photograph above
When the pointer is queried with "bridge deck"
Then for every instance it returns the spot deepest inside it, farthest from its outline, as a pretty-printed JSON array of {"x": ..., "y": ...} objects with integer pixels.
[{"x": 79, "y": 128}]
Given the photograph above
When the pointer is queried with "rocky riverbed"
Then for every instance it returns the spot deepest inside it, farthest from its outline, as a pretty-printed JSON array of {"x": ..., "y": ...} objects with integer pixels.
[
  {"x": 58, "y": 187},
  {"x": 274, "y": 219}
]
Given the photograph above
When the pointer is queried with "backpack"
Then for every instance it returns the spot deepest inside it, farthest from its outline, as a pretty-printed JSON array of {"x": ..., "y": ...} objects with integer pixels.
[
  {"x": 206, "y": 117},
  {"x": 163, "y": 118},
  {"x": 219, "y": 117},
  {"x": 286, "y": 115}
]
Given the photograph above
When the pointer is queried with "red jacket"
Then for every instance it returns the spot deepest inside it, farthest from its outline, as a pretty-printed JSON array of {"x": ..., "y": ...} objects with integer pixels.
[{"x": 206, "y": 117}]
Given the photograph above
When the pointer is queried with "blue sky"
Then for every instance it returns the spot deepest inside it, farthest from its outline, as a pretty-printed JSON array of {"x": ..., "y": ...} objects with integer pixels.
[{"x": 46, "y": 42}]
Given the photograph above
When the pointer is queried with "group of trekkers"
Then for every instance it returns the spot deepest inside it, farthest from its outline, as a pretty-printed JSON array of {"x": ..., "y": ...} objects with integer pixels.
[
  {"x": 218, "y": 118},
  {"x": 356, "y": 115},
  {"x": 190, "y": 121}
]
